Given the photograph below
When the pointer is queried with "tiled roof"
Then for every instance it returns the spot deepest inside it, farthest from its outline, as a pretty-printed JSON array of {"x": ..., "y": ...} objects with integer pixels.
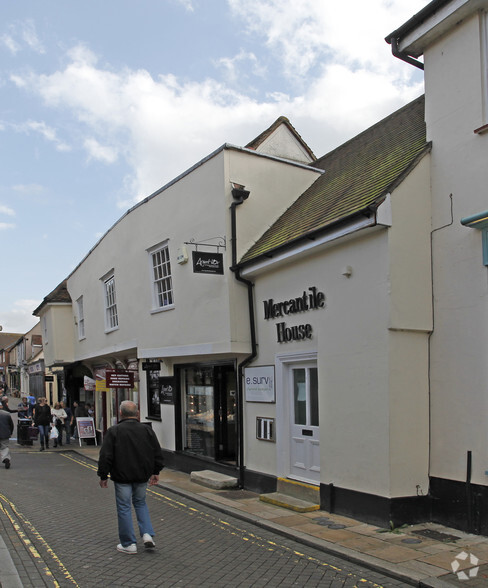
[
  {"x": 6, "y": 339},
  {"x": 358, "y": 175},
  {"x": 59, "y": 294}
]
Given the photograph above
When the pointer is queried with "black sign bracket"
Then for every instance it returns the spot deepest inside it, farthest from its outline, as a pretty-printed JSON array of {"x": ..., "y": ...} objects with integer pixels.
[{"x": 221, "y": 244}]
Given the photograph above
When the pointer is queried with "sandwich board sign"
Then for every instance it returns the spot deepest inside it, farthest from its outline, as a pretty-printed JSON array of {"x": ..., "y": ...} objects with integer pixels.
[{"x": 86, "y": 429}]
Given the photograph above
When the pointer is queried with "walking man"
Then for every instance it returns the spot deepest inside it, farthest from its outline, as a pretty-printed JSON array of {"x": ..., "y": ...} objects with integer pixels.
[
  {"x": 131, "y": 454},
  {"x": 6, "y": 430}
]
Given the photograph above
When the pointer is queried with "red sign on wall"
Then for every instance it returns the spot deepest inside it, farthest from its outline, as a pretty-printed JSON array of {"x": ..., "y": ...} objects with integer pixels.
[{"x": 119, "y": 378}]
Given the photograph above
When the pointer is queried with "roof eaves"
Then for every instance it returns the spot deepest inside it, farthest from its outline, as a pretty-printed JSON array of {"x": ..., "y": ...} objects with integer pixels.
[{"x": 313, "y": 235}]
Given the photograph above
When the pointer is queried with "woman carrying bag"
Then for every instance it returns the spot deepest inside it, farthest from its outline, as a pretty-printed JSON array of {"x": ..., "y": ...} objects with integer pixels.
[{"x": 58, "y": 414}]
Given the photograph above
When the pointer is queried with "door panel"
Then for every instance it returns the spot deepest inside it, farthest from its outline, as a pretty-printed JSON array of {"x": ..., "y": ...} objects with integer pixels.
[{"x": 305, "y": 447}]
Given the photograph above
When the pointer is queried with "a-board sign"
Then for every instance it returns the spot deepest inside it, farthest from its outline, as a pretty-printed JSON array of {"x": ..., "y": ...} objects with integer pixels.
[{"x": 86, "y": 428}]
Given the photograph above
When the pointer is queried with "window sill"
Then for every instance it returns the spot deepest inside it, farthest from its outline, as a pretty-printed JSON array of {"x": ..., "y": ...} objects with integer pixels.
[
  {"x": 162, "y": 309},
  {"x": 111, "y": 330},
  {"x": 481, "y": 130}
]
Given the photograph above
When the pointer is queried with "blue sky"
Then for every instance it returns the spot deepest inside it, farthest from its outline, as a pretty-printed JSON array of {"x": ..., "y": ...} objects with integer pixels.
[{"x": 103, "y": 102}]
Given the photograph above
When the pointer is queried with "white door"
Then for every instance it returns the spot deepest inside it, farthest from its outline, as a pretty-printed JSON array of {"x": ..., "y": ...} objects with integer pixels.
[{"x": 304, "y": 411}]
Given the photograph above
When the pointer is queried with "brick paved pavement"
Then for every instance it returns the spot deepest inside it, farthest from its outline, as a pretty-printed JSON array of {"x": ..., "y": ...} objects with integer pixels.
[{"x": 60, "y": 530}]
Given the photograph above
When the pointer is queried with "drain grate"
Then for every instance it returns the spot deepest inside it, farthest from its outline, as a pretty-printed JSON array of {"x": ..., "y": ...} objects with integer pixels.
[
  {"x": 436, "y": 535},
  {"x": 238, "y": 494}
]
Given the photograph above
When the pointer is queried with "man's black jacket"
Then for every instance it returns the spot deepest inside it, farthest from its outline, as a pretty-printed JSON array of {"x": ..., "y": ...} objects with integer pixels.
[{"x": 130, "y": 453}]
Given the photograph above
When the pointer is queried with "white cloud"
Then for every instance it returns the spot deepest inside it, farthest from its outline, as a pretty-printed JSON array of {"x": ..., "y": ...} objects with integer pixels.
[
  {"x": 6, "y": 226},
  {"x": 28, "y": 189},
  {"x": 29, "y": 36},
  {"x": 100, "y": 152},
  {"x": 19, "y": 319},
  {"x": 9, "y": 42},
  {"x": 45, "y": 131},
  {"x": 7, "y": 210},
  {"x": 235, "y": 67},
  {"x": 21, "y": 34},
  {"x": 306, "y": 33},
  {"x": 161, "y": 126},
  {"x": 187, "y": 5}
]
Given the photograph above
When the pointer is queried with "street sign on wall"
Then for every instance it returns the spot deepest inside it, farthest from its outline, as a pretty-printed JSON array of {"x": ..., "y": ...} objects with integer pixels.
[{"x": 119, "y": 378}]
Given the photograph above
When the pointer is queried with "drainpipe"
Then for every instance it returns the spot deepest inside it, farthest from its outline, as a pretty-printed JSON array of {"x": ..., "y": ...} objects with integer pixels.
[
  {"x": 404, "y": 56},
  {"x": 239, "y": 195}
]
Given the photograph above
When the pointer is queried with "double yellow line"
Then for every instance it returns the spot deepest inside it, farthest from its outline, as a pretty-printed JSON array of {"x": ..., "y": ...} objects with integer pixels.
[{"x": 19, "y": 523}]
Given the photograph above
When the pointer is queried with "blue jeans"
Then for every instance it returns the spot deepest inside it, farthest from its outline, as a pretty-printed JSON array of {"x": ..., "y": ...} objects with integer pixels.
[
  {"x": 43, "y": 434},
  {"x": 127, "y": 495}
]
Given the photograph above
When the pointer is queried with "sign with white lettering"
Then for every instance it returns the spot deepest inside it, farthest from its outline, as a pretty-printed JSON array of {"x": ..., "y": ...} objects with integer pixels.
[
  {"x": 119, "y": 378},
  {"x": 166, "y": 391},
  {"x": 259, "y": 384},
  {"x": 208, "y": 263}
]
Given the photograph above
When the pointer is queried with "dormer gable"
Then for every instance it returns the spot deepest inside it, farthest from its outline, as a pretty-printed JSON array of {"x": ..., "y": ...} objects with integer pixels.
[{"x": 282, "y": 140}]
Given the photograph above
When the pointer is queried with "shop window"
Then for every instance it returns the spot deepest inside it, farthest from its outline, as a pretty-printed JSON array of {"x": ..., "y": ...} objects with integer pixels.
[
  {"x": 153, "y": 394},
  {"x": 198, "y": 411}
]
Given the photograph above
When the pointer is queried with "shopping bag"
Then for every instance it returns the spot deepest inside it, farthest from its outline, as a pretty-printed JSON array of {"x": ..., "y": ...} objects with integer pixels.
[
  {"x": 33, "y": 432},
  {"x": 54, "y": 434}
]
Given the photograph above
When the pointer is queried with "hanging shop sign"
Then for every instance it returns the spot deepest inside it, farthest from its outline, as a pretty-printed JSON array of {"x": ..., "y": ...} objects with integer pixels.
[
  {"x": 260, "y": 384},
  {"x": 311, "y": 299},
  {"x": 166, "y": 389},
  {"x": 205, "y": 262},
  {"x": 88, "y": 383},
  {"x": 101, "y": 385},
  {"x": 119, "y": 378},
  {"x": 151, "y": 366}
]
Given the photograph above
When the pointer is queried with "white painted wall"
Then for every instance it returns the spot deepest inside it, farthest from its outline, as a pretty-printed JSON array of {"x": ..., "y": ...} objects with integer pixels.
[
  {"x": 459, "y": 345},
  {"x": 59, "y": 346},
  {"x": 372, "y": 346}
]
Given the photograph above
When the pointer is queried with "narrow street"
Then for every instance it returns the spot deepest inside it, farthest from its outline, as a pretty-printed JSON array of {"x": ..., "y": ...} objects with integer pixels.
[{"x": 60, "y": 529}]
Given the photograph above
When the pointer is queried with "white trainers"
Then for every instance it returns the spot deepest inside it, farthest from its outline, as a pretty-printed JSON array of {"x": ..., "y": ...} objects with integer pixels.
[
  {"x": 148, "y": 541},
  {"x": 130, "y": 549}
]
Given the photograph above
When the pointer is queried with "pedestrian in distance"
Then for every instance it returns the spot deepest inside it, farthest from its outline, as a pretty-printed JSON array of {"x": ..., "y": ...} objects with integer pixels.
[
  {"x": 6, "y": 406},
  {"x": 131, "y": 454},
  {"x": 58, "y": 415},
  {"x": 67, "y": 423},
  {"x": 23, "y": 408},
  {"x": 79, "y": 411},
  {"x": 6, "y": 430},
  {"x": 32, "y": 402},
  {"x": 42, "y": 420}
]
